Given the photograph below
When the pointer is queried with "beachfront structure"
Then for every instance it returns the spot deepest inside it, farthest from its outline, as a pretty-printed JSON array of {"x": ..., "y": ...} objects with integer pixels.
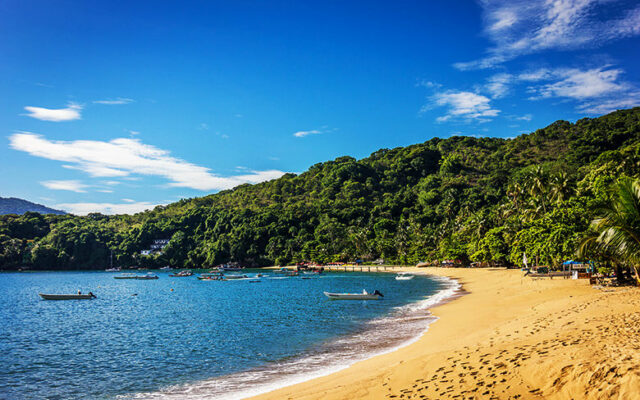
[{"x": 156, "y": 247}]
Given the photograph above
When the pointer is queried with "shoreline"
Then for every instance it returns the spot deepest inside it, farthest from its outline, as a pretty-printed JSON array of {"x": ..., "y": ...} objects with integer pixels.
[
  {"x": 509, "y": 337},
  {"x": 404, "y": 323}
]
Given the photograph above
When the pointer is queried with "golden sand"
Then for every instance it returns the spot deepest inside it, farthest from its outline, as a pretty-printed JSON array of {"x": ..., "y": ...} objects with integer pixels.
[{"x": 509, "y": 338}]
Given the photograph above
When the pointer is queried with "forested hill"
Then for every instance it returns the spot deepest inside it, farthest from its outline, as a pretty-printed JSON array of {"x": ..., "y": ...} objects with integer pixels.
[
  {"x": 474, "y": 199},
  {"x": 12, "y": 205}
]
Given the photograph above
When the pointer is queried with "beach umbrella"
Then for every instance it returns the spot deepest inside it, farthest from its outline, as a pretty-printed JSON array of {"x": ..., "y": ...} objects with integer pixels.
[{"x": 524, "y": 260}]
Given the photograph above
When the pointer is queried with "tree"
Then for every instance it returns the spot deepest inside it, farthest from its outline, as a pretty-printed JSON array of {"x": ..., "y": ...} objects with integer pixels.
[{"x": 618, "y": 225}]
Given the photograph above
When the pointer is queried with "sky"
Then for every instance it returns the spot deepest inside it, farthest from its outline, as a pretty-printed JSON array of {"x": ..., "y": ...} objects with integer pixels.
[{"x": 118, "y": 106}]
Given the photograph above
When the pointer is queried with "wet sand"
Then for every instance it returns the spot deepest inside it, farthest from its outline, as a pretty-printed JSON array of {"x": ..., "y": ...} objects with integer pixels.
[{"x": 509, "y": 337}]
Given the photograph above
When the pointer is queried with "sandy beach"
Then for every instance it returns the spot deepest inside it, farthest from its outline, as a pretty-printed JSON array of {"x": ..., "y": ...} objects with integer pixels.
[{"x": 509, "y": 337}]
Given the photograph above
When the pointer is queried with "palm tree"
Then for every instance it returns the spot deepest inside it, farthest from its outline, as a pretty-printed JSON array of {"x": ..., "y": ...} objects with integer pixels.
[
  {"x": 560, "y": 187},
  {"x": 538, "y": 186},
  {"x": 617, "y": 229}
]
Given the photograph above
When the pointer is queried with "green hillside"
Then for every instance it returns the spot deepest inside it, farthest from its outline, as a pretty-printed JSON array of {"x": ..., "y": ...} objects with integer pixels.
[{"x": 473, "y": 199}]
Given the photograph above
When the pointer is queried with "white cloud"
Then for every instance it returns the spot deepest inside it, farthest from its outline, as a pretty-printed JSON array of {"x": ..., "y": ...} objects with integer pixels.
[
  {"x": 520, "y": 27},
  {"x": 597, "y": 90},
  {"x": 498, "y": 85},
  {"x": 578, "y": 84},
  {"x": 70, "y": 185},
  {"x": 307, "y": 133},
  {"x": 72, "y": 112},
  {"x": 106, "y": 208},
  {"x": 463, "y": 104},
  {"x": 536, "y": 75},
  {"x": 112, "y": 102},
  {"x": 128, "y": 200},
  {"x": 125, "y": 156},
  {"x": 609, "y": 105}
]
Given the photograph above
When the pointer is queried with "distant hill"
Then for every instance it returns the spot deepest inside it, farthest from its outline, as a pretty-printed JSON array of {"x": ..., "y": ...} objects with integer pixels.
[{"x": 12, "y": 205}]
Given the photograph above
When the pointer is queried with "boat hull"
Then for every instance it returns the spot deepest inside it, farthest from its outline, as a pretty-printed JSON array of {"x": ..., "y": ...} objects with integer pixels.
[
  {"x": 66, "y": 296},
  {"x": 352, "y": 296}
]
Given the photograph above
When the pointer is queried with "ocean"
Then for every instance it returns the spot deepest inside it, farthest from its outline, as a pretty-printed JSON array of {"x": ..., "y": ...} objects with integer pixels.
[{"x": 181, "y": 338}]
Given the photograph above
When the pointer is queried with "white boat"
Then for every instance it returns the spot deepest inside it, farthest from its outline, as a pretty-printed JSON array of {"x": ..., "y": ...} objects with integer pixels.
[
  {"x": 75, "y": 296},
  {"x": 234, "y": 277},
  {"x": 404, "y": 276},
  {"x": 149, "y": 275},
  {"x": 167, "y": 268},
  {"x": 126, "y": 276},
  {"x": 182, "y": 274},
  {"x": 354, "y": 296},
  {"x": 112, "y": 270}
]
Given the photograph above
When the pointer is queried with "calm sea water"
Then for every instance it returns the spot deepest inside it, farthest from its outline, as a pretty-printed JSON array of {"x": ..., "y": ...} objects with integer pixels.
[{"x": 185, "y": 338}]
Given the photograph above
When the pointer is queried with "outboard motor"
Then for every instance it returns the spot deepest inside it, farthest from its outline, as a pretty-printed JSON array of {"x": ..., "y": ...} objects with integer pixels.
[{"x": 378, "y": 293}]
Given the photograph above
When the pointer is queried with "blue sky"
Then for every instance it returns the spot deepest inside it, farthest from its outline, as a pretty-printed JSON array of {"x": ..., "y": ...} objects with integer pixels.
[{"x": 118, "y": 106}]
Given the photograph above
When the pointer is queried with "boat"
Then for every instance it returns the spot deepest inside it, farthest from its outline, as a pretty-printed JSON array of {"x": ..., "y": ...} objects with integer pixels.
[
  {"x": 211, "y": 277},
  {"x": 404, "y": 276},
  {"x": 128, "y": 275},
  {"x": 376, "y": 295},
  {"x": 112, "y": 270},
  {"x": 148, "y": 275},
  {"x": 182, "y": 274},
  {"x": 76, "y": 296},
  {"x": 230, "y": 268},
  {"x": 233, "y": 277},
  {"x": 167, "y": 268}
]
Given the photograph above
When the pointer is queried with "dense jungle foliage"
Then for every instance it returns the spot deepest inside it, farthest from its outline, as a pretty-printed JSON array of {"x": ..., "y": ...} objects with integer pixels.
[{"x": 473, "y": 199}]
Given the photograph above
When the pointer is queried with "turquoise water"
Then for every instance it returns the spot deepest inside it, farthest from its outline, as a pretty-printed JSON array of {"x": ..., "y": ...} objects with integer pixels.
[{"x": 181, "y": 337}]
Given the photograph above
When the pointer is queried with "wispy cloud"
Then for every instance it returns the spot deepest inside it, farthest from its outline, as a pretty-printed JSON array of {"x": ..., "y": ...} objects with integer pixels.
[
  {"x": 578, "y": 84},
  {"x": 123, "y": 157},
  {"x": 106, "y": 208},
  {"x": 597, "y": 90},
  {"x": 320, "y": 131},
  {"x": 462, "y": 104},
  {"x": 70, "y": 185},
  {"x": 307, "y": 133},
  {"x": 526, "y": 117},
  {"x": 498, "y": 85},
  {"x": 112, "y": 102},
  {"x": 70, "y": 113},
  {"x": 520, "y": 27}
]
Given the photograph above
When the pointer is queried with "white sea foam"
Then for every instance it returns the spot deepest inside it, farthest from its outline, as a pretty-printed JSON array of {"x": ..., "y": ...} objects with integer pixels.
[{"x": 404, "y": 326}]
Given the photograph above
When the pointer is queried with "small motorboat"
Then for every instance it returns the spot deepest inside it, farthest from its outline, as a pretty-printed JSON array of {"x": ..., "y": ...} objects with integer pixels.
[
  {"x": 404, "y": 276},
  {"x": 226, "y": 267},
  {"x": 211, "y": 277},
  {"x": 234, "y": 277},
  {"x": 126, "y": 276},
  {"x": 112, "y": 270},
  {"x": 182, "y": 274},
  {"x": 376, "y": 295},
  {"x": 167, "y": 268},
  {"x": 76, "y": 296},
  {"x": 149, "y": 275}
]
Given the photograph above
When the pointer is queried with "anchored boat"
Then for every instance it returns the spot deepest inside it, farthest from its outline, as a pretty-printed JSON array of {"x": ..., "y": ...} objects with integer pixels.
[
  {"x": 76, "y": 296},
  {"x": 376, "y": 295},
  {"x": 404, "y": 276},
  {"x": 182, "y": 274}
]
